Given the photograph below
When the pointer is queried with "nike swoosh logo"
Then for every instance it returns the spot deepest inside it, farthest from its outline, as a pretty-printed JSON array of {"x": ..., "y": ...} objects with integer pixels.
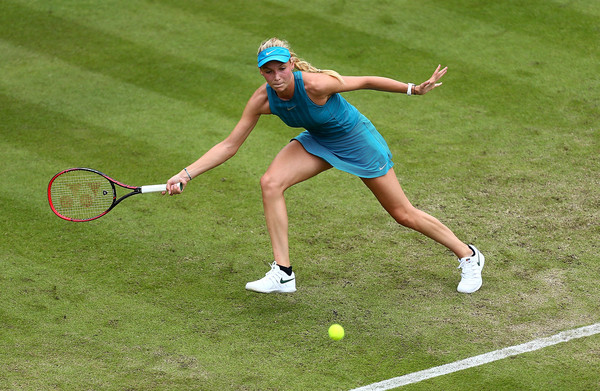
[
  {"x": 382, "y": 167},
  {"x": 291, "y": 108},
  {"x": 282, "y": 281},
  {"x": 269, "y": 53}
]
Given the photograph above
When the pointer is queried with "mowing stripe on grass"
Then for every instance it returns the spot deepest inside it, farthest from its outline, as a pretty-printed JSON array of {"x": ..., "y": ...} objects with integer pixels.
[{"x": 482, "y": 359}]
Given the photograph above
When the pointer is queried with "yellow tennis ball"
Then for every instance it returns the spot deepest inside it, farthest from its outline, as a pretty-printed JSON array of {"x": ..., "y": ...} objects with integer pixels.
[{"x": 336, "y": 332}]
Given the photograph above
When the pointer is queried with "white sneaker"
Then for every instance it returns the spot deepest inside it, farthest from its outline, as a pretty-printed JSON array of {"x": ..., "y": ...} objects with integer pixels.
[
  {"x": 470, "y": 278},
  {"x": 275, "y": 281}
]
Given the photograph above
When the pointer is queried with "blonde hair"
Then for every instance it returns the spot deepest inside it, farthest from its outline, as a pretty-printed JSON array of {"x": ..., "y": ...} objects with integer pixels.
[{"x": 299, "y": 64}]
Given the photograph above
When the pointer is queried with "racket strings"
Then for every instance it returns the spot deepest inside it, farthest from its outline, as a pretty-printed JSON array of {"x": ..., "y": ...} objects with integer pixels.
[{"x": 81, "y": 195}]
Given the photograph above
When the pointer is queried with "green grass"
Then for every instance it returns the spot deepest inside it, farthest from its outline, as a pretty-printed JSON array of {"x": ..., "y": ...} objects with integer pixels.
[{"x": 151, "y": 297}]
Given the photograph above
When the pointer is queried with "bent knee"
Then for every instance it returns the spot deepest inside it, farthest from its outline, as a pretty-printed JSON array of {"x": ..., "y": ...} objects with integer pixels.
[{"x": 270, "y": 184}]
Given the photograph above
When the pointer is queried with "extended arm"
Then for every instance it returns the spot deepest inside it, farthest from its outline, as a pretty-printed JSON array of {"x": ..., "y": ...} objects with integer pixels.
[
  {"x": 327, "y": 87},
  {"x": 226, "y": 149}
]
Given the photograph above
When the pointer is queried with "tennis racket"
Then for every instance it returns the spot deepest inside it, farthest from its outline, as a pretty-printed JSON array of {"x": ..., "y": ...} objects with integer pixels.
[{"x": 83, "y": 194}]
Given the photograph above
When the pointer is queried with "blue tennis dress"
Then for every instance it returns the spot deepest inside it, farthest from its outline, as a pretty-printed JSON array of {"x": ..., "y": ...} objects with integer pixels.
[{"x": 336, "y": 132}]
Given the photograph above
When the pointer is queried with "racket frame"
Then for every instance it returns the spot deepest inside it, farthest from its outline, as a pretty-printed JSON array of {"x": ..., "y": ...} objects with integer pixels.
[{"x": 113, "y": 182}]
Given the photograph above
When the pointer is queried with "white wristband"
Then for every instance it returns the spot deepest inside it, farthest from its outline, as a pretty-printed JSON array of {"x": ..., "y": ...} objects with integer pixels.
[{"x": 410, "y": 88}]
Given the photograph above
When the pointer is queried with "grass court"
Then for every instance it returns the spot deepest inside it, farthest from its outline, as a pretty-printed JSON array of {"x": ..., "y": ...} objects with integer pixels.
[{"x": 151, "y": 296}]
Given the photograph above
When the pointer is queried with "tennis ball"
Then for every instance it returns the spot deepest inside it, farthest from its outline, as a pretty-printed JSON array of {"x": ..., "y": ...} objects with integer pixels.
[{"x": 336, "y": 332}]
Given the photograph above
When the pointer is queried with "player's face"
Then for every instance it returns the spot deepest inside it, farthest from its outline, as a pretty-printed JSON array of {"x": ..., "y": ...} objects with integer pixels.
[{"x": 279, "y": 76}]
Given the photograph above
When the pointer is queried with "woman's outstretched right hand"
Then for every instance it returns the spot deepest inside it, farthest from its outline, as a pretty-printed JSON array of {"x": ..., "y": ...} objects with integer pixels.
[{"x": 177, "y": 183}]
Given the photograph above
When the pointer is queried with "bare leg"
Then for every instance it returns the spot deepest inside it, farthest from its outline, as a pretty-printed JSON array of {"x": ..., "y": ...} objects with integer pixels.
[
  {"x": 291, "y": 165},
  {"x": 388, "y": 191}
]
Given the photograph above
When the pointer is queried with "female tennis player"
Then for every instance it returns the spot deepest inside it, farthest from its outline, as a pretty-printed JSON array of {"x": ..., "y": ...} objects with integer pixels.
[{"x": 336, "y": 135}]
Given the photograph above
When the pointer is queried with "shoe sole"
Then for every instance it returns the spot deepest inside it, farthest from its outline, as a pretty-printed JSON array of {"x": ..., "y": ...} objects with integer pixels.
[
  {"x": 291, "y": 289},
  {"x": 272, "y": 291}
]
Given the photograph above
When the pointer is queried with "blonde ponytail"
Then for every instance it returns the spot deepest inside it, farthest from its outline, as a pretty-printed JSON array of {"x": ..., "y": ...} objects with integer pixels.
[{"x": 299, "y": 64}]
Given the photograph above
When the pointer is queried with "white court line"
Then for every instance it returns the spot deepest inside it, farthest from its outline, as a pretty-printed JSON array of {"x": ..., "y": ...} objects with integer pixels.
[{"x": 482, "y": 359}]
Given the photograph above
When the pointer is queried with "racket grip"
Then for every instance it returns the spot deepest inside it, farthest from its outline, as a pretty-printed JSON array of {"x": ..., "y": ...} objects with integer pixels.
[{"x": 156, "y": 188}]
